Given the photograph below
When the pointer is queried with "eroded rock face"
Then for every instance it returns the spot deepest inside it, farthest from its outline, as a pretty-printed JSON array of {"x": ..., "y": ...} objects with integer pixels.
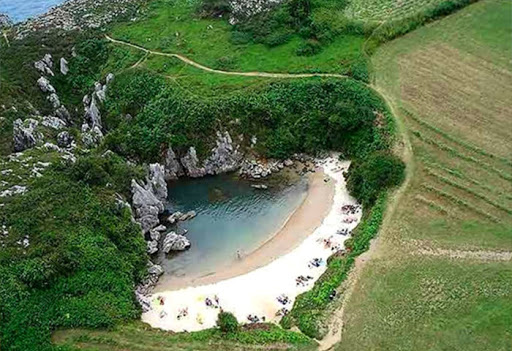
[
  {"x": 53, "y": 122},
  {"x": 242, "y": 9},
  {"x": 225, "y": 157},
  {"x": 25, "y": 134},
  {"x": 172, "y": 166},
  {"x": 175, "y": 242},
  {"x": 157, "y": 180}
]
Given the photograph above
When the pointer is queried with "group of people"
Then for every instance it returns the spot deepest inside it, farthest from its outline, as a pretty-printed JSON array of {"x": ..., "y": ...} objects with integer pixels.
[
  {"x": 214, "y": 304},
  {"x": 182, "y": 313},
  {"x": 255, "y": 319},
  {"x": 344, "y": 231},
  {"x": 283, "y": 299},
  {"x": 302, "y": 280},
  {"x": 282, "y": 312},
  {"x": 350, "y": 209},
  {"x": 315, "y": 262}
]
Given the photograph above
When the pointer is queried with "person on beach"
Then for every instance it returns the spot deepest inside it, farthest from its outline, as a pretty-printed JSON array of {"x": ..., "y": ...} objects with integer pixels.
[{"x": 238, "y": 255}]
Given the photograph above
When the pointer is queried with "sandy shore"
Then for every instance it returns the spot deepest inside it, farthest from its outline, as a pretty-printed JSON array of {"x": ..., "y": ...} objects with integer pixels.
[
  {"x": 301, "y": 223},
  {"x": 253, "y": 285}
]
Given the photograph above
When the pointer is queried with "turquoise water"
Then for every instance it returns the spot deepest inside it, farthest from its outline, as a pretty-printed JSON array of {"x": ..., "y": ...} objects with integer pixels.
[
  {"x": 20, "y": 10},
  {"x": 231, "y": 216}
]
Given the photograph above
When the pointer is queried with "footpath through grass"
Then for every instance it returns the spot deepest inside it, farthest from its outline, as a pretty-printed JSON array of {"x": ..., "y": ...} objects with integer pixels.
[{"x": 440, "y": 278}]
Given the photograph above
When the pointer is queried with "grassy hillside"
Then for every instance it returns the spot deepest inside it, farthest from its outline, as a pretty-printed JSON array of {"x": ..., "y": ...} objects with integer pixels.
[{"x": 440, "y": 276}]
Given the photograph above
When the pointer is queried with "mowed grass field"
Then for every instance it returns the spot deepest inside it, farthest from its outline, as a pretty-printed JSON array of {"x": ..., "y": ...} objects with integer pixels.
[{"x": 441, "y": 274}]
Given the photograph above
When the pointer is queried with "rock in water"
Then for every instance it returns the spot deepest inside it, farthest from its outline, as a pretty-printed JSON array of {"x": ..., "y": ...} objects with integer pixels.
[
  {"x": 175, "y": 242},
  {"x": 25, "y": 135}
]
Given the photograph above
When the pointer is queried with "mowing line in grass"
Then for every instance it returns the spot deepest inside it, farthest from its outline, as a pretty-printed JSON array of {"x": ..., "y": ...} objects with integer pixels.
[
  {"x": 455, "y": 140},
  {"x": 466, "y": 189},
  {"x": 456, "y": 153},
  {"x": 459, "y": 201},
  {"x": 431, "y": 204}
]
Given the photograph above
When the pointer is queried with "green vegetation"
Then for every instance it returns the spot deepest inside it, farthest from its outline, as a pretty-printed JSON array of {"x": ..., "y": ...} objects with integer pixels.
[
  {"x": 80, "y": 261},
  {"x": 376, "y": 173},
  {"x": 440, "y": 277},
  {"x": 310, "y": 312},
  {"x": 227, "y": 322},
  {"x": 287, "y": 117},
  {"x": 138, "y": 336}
]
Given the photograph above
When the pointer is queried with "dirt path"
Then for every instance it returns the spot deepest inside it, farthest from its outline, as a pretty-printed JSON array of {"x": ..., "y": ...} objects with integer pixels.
[
  {"x": 336, "y": 321},
  {"x": 229, "y": 73}
]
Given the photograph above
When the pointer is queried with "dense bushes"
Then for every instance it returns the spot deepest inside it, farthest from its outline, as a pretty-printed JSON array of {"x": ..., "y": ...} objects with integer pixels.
[
  {"x": 79, "y": 269},
  {"x": 227, "y": 322},
  {"x": 287, "y": 117},
  {"x": 370, "y": 176}
]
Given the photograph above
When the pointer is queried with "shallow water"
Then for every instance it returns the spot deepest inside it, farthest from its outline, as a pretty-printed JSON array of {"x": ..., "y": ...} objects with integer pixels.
[
  {"x": 20, "y": 10},
  {"x": 231, "y": 217}
]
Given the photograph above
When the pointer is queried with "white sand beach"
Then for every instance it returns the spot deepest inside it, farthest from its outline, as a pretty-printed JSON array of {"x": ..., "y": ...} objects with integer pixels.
[{"x": 251, "y": 287}]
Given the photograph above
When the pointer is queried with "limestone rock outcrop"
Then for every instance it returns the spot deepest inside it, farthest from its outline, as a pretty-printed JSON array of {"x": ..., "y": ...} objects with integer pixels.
[
  {"x": 25, "y": 134},
  {"x": 175, "y": 242}
]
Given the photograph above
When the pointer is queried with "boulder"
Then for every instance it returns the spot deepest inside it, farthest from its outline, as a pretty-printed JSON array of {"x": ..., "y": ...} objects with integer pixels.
[
  {"x": 154, "y": 234},
  {"x": 43, "y": 68},
  {"x": 259, "y": 186},
  {"x": 155, "y": 269},
  {"x": 63, "y": 114},
  {"x": 173, "y": 218},
  {"x": 54, "y": 100},
  {"x": 175, "y": 242},
  {"x": 152, "y": 247},
  {"x": 187, "y": 216},
  {"x": 144, "y": 197},
  {"x": 64, "y": 69},
  {"x": 148, "y": 222},
  {"x": 64, "y": 139},
  {"x": 53, "y": 122},
  {"x": 45, "y": 86},
  {"x": 25, "y": 135}
]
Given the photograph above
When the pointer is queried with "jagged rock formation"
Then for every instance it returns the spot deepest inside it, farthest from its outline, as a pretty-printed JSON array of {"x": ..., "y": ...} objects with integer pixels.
[
  {"x": 5, "y": 21},
  {"x": 91, "y": 128},
  {"x": 224, "y": 157},
  {"x": 45, "y": 86},
  {"x": 64, "y": 139},
  {"x": 175, "y": 242},
  {"x": 78, "y": 15},
  {"x": 25, "y": 134},
  {"x": 242, "y": 9},
  {"x": 173, "y": 168}
]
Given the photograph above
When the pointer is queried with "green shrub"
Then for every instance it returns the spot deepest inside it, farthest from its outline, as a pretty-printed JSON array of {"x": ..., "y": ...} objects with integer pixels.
[
  {"x": 227, "y": 322},
  {"x": 309, "y": 47},
  {"x": 214, "y": 8},
  {"x": 369, "y": 177}
]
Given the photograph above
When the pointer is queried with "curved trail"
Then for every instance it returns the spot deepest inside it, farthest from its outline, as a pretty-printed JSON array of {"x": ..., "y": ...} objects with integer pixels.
[
  {"x": 229, "y": 73},
  {"x": 336, "y": 320}
]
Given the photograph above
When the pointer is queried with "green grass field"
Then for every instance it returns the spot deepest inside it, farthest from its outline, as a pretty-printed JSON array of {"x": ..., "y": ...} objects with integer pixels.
[
  {"x": 384, "y": 10},
  {"x": 440, "y": 276}
]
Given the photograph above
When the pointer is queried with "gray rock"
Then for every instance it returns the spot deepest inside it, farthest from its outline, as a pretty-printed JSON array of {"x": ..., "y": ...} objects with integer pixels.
[
  {"x": 5, "y": 21},
  {"x": 225, "y": 156},
  {"x": 147, "y": 211},
  {"x": 161, "y": 228},
  {"x": 190, "y": 164},
  {"x": 92, "y": 113},
  {"x": 64, "y": 69},
  {"x": 64, "y": 139},
  {"x": 175, "y": 242},
  {"x": 54, "y": 100},
  {"x": 259, "y": 186},
  {"x": 288, "y": 162},
  {"x": 42, "y": 67},
  {"x": 172, "y": 166},
  {"x": 45, "y": 86},
  {"x": 173, "y": 218},
  {"x": 155, "y": 269},
  {"x": 48, "y": 60},
  {"x": 109, "y": 79},
  {"x": 63, "y": 114},
  {"x": 187, "y": 216},
  {"x": 144, "y": 197},
  {"x": 148, "y": 222},
  {"x": 152, "y": 247},
  {"x": 53, "y": 122},
  {"x": 91, "y": 137},
  {"x": 154, "y": 234},
  {"x": 157, "y": 180},
  {"x": 25, "y": 135}
]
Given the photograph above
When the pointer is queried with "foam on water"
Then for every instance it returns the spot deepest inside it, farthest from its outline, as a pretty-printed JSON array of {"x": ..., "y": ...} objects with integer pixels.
[{"x": 20, "y": 10}]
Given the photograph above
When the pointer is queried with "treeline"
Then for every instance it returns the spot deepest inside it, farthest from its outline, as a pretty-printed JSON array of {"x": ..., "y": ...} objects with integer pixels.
[{"x": 286, "y": 117}]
